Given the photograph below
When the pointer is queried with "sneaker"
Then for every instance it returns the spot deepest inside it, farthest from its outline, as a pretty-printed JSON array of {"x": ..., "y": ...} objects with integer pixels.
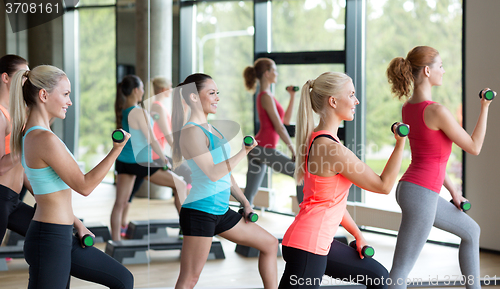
[
  {"x": 123, "y": 231},
  {"x": 8, "y": 259}
]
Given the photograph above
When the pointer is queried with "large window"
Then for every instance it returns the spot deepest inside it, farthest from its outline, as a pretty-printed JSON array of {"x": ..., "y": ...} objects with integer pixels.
[
  {"x": 393, "y": 27},
  {"x": 97, "y": 69}
]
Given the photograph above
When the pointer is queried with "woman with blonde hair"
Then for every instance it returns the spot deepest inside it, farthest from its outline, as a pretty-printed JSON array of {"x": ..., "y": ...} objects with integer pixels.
[
  {"x": 272, "y": 119},
  {"x": 206, "y": 212},
  {"x": 328, "y": 169},
  {"x": 433, "y": 130},
  {"x": 36, "y": 97}
]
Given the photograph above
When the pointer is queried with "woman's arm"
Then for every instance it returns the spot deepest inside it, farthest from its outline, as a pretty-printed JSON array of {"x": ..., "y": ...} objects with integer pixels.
[
  {"x": 162, "y": 122},
  {"x": 269, "y": 106},
  {"x": 194, "y": 145},
  {"x": 81, "y": 229},
  {"x": 240, "y": 197},
  {"x": 351, "y": 227},
  {"x": 343, "y": 161},
  {"x": 7, "y": 161},
  {"x": 457, "y": 196},
  {"x": 46, "y": 148},
  {"x": 438, "y": 117},
  {"x": 289, "y": 109}
]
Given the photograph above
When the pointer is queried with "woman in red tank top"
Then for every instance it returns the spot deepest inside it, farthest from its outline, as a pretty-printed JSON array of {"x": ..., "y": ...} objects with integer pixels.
[
  {"x": 433, "y": 130},
  {"x": 328, "y": 169},
  {"x": 272, "y": 119}
]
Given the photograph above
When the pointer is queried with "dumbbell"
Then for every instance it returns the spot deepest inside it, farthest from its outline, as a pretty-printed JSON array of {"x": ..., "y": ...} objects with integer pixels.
[
  {"x": 488, "y": 94},
  {"x": 463, "y": 205},
  {"x": 367, "y": 251},
  {"x": 248, "y": 140},
  {"x": 155, "y": 116},
  {"x": 402, "y": 129},
  {"x": 118, "y": 136},
  {"x": 253, "y": 217},
  {"x": 295, "y": 88},
  {"x": 87, "y": 240}
]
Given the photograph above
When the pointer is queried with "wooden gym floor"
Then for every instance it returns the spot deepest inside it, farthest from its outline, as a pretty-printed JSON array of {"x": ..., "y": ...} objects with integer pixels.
[{"x": 235, "y": 271}]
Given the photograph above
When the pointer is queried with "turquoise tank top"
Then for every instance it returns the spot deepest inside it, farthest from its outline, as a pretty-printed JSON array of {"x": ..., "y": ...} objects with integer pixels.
[
  {"x": 206, "y": 195},
  {"x": 137, "y": 148},
  {"x": 44, "y": 180}
]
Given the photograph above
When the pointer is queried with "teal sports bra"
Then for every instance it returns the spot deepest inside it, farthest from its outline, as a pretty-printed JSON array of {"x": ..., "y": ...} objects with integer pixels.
[{"x": 45, "y": 180}]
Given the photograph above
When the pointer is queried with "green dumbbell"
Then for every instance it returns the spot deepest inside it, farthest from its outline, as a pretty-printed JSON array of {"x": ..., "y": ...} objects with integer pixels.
[
  {"x": 295, "y": 88},
  {"x": 253, "y": 217},
  {"x": 118, "y": 136},
  {"x": 463, "y": 205},
  {"x": 248, "y": 140},
  {"x": 488, "y": 94},
  {"x": 402, "y": 129},
  {"x": 155, "y": 116},
  {"x": 87, "y": 240},
  {"x": 367, "y": 251}
]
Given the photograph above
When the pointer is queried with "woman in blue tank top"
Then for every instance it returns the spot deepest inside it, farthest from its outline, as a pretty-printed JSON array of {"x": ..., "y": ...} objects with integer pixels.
[
  {"x": 53, "y": 173},
  {"x": 135, "y": 161},
  {"x": 206, "y": 213}
]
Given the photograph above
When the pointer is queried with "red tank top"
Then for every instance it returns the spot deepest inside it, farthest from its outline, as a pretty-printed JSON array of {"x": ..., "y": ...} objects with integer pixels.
[
  {"x": 324, "y": 205},
  {"x": 158, "y": 133},
  {"x": 267, "y": 135},
  {"x": 7, "y": 137},
  {"x": 430, "y": 149}
]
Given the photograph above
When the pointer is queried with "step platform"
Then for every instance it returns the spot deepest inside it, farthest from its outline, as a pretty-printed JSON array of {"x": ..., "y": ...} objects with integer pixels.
[
  {"x": 134, "y": 251},
  {"x": 100, "y": 231},
  {"x": 157, "y": 228},
  {"x": 252, "y": 252},
  {"x": 9, "y": 252}
]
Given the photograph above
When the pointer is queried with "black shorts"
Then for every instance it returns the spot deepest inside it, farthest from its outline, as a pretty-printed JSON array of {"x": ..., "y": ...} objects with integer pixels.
[
  {"x": 202, "y": 224},
  {"x": 139, "y": 170}
]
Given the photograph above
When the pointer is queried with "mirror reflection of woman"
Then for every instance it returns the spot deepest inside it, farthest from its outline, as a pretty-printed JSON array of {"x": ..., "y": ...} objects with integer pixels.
[{"x": 206, "y": 212}]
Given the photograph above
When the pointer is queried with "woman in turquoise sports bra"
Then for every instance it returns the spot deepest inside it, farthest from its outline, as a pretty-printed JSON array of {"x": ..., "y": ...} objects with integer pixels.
[
  {"x": 52, "y": 172},
  {"x": 205, "y": 212}
]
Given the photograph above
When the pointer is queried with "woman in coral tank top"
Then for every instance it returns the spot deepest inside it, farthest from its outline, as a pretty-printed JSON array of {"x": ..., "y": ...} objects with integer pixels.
[
  {"x": 433, "y": 130},
  {"x": 328, "y": 169}
]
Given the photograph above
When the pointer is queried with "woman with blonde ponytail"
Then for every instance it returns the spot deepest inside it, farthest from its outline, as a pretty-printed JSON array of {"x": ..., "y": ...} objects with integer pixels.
[
  {"x": 50, "y": 248},
  {"x": 272, "y": 119},
  {"x": 328, "y": 169},
  {"x": 206, "y": 212},
  {"x": 433, "y": 130}
]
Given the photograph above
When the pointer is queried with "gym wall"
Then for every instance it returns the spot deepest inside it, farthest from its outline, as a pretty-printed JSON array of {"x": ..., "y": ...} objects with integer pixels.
[{"x": 482, "y": 69}]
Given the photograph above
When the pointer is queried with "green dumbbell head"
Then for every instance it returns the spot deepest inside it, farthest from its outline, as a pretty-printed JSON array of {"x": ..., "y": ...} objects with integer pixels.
[
  {"x": 118, "y": 136},
  {"x": 294, "y": 88},
  {"x": 248, "y": 140},
  {"x": 463, "y": 205},
  {"x": 488, "y": 94},
  {"x": 87, "y": 240},
  {"x": 366, "y": 251},
  {"x": 156, "y": 116},
  {"x": 402, "y": 129},
  {"x": 253, "y": 217}
]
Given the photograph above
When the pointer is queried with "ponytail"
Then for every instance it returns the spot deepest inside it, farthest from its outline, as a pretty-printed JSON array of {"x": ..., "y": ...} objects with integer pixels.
[
  {"x": 304, "y": 128},
  {"x": 399, "y": 75},
  {"x": 17, "y": 110},
  {"x": 250, "y": 77},
  {"x": 177, "y": 124},
  {"x": 123, "y": 90},
  {"x": 24, "y": 91}
]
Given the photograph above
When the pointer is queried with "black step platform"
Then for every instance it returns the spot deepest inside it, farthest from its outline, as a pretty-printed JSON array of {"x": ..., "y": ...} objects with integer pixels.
[
  {"x": 157, "y": 228},
  {"x": 9, "y": 252},
  {"x": 134, "y": 251},
  {"x": 252, "y": 252},
  {"x": 100, "y": 231}
]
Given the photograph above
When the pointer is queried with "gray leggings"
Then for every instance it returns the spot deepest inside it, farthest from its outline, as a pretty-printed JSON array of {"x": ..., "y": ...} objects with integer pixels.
[
  {"x": 258, "y": 160},
  {"x": 422, "y": 209}
]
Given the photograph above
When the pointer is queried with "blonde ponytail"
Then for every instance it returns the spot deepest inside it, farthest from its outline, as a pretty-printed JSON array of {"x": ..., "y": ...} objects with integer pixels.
[
  {"x": 17, "y": 111},
  {"x": 304, "y": 128}
]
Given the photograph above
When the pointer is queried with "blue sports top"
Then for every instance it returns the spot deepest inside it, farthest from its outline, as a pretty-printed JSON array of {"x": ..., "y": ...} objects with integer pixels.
[
  {"x": 44, "y": 180},
  {"x": 137, "y": 148},
  {"x": 206, "y": 195}
]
